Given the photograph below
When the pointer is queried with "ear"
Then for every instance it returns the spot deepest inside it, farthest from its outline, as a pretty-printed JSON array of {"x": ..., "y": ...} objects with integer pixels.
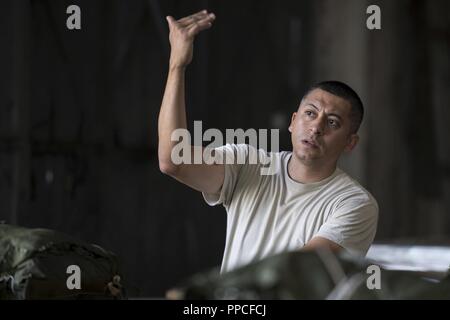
[
  {"x": 352, "y": 142},
  {"x": 292, "y": 121}
]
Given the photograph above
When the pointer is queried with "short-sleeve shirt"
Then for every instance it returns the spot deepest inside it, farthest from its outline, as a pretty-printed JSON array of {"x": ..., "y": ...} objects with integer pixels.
[{"x": 269, "y": 214}]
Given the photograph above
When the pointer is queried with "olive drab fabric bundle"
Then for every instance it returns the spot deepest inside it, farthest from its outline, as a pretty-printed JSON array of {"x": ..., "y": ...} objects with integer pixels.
[
  {"x": 46, "y": 264},
  {"x": 312, "y": 276}
]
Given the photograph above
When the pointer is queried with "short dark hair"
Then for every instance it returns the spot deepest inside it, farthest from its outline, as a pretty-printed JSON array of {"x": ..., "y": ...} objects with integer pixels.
[{"x": 344, "y": 91}]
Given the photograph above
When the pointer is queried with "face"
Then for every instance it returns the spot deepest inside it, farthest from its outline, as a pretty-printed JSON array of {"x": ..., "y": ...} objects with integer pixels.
[{"x": 321, "y": 129}]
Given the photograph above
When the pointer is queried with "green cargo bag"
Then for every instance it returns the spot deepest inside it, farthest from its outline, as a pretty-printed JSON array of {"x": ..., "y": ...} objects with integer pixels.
[{"x": 41, "y": 263}]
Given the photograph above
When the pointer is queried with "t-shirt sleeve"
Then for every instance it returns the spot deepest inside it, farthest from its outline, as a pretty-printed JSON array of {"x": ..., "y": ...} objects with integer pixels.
[
  {"x": 233, "y": 156},
  {"x": 352, "y": 225}
]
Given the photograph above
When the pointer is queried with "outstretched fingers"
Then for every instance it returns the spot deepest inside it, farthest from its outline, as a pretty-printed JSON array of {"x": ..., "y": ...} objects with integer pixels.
[
  {"x": 193, "y": 24},
  {"x": 192, "y": 18},
  {"x": 204, "y": 22}
]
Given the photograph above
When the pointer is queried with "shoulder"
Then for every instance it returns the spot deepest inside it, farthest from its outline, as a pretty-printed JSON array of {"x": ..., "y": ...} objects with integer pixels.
[{"x": 351, "y": 192}]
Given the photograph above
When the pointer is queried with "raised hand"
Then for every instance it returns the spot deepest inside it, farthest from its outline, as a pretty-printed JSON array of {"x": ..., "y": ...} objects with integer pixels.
[{"x": 182, "y": 35}]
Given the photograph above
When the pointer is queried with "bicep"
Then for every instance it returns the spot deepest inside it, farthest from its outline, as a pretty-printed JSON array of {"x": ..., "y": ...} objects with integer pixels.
[
  {"x": 207, "y": 178},
  {"x": 203, "y": 177}
]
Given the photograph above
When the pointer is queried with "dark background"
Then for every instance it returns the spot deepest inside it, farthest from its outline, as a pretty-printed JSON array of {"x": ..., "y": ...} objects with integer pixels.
[{"x": 79, "y": 108}]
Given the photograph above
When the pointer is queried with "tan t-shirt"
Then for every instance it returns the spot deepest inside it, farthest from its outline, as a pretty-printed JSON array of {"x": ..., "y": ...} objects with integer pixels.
[{"x": 269, "y": 214}]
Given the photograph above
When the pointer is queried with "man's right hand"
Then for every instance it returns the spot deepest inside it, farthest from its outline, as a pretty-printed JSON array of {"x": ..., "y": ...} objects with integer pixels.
[{"x": 182, "y": 34}]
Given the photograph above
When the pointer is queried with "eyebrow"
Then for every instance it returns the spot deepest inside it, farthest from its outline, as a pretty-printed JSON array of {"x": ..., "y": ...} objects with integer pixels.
[{"x": 328, "y": 114}]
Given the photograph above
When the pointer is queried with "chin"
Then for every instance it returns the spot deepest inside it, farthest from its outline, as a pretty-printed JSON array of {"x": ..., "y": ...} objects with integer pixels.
[
  {"x": 303, "y": 156},
  {"x": 306, "y": 157}
]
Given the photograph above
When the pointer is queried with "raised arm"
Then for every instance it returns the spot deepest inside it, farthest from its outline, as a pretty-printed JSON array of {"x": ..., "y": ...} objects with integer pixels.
[{"x": 172, "y": 116}]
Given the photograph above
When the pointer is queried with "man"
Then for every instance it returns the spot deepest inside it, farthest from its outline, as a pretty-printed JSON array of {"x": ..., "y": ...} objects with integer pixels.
[{"x": 308, "y": 203}]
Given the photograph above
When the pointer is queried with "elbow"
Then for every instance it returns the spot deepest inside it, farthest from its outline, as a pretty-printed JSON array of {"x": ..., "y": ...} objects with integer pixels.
[
  {"x": 166, "y": 164},
  {"x": 168, "y": 168}
]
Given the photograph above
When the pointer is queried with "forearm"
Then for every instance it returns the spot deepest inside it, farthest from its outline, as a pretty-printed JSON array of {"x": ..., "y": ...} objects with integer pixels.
[{"x": 172, "y": 115}]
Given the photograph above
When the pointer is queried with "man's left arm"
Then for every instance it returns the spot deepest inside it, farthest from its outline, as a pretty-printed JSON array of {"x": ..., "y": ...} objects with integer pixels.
[
  {"x": 352, "y": 226},
  {"x": 320, "y": 242}
]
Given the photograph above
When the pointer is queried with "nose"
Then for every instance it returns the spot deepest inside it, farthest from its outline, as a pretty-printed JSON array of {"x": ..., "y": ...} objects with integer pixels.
[
  {"x": 316, "y": 130},
  {"x": 317, "y": 126}
]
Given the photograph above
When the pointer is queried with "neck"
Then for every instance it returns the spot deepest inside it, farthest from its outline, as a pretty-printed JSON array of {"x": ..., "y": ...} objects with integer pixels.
[{"x": 308, "y": 173}]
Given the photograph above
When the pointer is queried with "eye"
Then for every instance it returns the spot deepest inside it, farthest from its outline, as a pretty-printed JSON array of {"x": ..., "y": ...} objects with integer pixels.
[
  {"x": 333, "y": 123},
  {"x": 309, "y": 113}
]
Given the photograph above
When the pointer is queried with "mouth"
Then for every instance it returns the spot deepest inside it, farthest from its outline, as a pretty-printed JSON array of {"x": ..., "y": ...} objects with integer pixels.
[{"x": 310, "y": 143}]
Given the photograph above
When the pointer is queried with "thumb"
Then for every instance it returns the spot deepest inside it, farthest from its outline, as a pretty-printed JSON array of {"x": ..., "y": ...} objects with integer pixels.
[{"x": 170, "y": 20}]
